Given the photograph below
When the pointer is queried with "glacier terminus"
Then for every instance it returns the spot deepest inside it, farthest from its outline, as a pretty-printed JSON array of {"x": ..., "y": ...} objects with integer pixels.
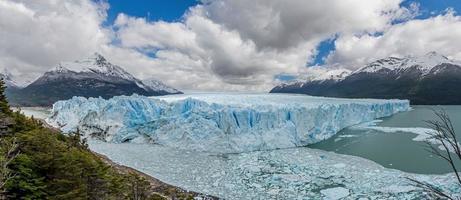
[{"x": 220, "y": 123}]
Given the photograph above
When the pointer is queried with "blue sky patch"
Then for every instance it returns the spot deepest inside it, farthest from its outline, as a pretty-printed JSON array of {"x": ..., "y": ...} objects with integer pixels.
[
  {"x": 284, "y": 77},
  {"x": 323, "y": 50},
  {"x": 152, "y": 10}
]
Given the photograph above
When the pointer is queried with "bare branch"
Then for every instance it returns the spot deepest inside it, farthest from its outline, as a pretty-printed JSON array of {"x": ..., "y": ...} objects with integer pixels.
[
  {"x": 444, "y": 134},
  {"x": 9, "y": 150},
  {"x": 430, "y": 188}
]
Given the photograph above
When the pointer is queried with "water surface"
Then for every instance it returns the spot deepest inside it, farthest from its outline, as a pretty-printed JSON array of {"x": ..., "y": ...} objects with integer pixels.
[{"x": 395, "y": 150}]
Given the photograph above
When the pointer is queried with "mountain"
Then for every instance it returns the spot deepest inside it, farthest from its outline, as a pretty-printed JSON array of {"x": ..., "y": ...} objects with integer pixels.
[
  {"x": 428, "y": 79},
  {"x": 333, "y": 75},
  {"x": 159, "y": 86},
  {"x": 8, "y": 78},
  {"x": 11, "y": 85},
  {"x": 90, "y": 77}
]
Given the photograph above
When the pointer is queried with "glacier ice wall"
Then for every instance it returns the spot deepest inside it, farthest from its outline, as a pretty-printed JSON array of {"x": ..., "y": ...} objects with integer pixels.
[{"x": 218, "y": 122}]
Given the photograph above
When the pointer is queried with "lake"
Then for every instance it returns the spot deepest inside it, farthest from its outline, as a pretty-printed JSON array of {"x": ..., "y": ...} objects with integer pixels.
[{"x": 398, "y": 150}]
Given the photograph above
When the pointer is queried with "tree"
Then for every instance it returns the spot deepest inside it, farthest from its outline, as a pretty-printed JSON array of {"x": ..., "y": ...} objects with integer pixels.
[
  {"x": 8, "y": 152},
  {"x": 4, "y": 108},
  {"x": 450, "y": 151},
  {"x": 138, "y": 187},
  {"x": 76, "y": 140}
]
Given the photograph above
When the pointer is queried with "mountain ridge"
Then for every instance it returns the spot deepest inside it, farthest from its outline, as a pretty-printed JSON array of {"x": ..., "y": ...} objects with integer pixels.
[
  {"x": 428, "y": 79},
  {"x": 90, "y": 77},
  {"x": 8, "y": 78}
]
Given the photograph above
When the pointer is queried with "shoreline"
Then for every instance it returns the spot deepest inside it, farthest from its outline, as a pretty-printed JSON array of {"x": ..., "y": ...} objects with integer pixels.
[{"x": 156, "y": 186}]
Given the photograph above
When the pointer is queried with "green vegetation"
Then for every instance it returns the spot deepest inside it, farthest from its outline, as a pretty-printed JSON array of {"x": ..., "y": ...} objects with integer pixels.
[{"x": 41, "y": 163}]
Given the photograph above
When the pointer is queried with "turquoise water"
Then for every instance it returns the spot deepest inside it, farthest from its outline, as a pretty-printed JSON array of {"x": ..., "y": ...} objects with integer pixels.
[{"x": 395, "y": 150}]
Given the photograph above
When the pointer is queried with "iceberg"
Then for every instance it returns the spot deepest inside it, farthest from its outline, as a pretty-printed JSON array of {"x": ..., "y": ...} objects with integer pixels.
[{"x": 222, "y": 123}]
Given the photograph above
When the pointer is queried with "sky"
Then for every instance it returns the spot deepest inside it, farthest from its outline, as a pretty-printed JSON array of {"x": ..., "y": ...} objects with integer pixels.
[
  {"x": 217, "y": 45},
  {"x": 152, "y": 10}
]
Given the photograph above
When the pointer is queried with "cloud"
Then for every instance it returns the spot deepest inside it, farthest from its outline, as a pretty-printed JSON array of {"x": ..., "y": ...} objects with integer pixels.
[
  {"x": 415, "y": 37},
  {"x": 219, "y": 44},
  {"x": 244, "y": 45},
  {"x": 37, "y": 34},
  {"x": 208, "y": 51},
  {"x": 284, "y": 24}
]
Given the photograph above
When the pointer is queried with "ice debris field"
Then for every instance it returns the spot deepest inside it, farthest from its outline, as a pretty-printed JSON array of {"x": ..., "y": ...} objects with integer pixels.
[
  {"x": 294, "y": 173},
  {"x": 220, "y": 123}
]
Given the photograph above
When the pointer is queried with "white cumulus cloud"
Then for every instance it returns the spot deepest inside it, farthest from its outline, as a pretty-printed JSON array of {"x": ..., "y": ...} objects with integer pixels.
[
  {"x": 441, "y": 33},
  {"x": 34, "y": 35},
  {"x": 244, "y": 45},
  {"x": 220, "y": 44}
]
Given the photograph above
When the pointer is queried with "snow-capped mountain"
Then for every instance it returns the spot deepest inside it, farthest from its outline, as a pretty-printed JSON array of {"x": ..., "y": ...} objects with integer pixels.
[
  {"x": 327, "y": 76},
  {"x": 90, "y": 77},
  {"x": 428, "y": 79},
  {"x": 95, "y": 66},
  {"x": 8, "y": 78},
  {"x": 157, "y": 85},
  {"x": 333, "y": 75},
  {"x": 422, "y": 63}
]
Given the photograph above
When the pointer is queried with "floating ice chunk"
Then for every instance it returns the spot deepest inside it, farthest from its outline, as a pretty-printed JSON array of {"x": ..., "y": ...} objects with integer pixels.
[
  {"x": 219, "y": 122},
  {"x": 422, "y": 134},
  {"x": 398, "y": 189},
  {"x": 347, "y": 136},
  {"x": 339, "y": 165},
  {"x": 335, "y": 193}
]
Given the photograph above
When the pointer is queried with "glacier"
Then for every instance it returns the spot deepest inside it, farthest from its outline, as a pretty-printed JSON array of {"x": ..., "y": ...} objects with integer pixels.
[{"x": 222, "y": 123}]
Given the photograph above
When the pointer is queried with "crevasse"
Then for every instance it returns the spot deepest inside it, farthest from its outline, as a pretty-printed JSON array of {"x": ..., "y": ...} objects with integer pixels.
[{"x": 220, "y": 123}]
